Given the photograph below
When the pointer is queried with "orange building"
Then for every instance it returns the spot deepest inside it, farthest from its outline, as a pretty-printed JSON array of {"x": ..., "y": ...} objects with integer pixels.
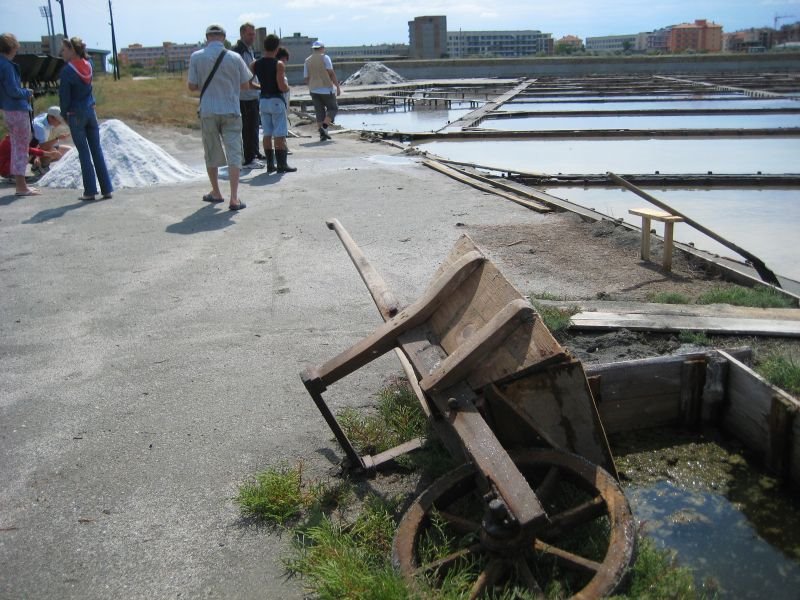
[{"x": 700, "y": 36}]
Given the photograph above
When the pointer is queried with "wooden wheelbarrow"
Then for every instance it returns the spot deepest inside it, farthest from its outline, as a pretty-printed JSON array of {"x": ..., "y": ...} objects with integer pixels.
[{"x": 536, "y": 503}]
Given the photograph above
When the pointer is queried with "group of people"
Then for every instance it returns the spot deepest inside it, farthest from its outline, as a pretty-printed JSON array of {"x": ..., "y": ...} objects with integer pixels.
[
  {"x": 239, "y": 92},
  {"x": 76, "y": 108}
]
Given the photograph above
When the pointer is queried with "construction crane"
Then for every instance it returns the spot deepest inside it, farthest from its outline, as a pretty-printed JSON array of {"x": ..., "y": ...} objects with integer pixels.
[{"x": 778, "y": 18}]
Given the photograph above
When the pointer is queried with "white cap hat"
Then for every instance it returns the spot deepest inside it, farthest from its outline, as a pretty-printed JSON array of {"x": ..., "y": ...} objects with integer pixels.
[
  {"x": 55, "y": 111},
  {"x": 317, "y": 44},
  {"x": 215, "y": 30}
]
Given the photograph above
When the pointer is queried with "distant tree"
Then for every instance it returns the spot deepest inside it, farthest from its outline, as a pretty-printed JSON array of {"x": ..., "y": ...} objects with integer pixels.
[{"x": 627, "y": 45}]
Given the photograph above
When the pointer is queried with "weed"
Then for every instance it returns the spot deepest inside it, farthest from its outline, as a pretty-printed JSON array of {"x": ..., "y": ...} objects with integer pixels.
[
  {"x": 668, "y": 298},
  {"x": 556, "y": 319},
  {"x": 696, "y": 338},
  {"x": 759, "y": 296},
  {"x": 782, "y": 372},
  {"x": 399, "y": 418}
]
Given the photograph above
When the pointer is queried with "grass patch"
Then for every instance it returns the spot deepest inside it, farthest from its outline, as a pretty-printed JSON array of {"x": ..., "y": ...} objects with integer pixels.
[
  {"x": 696, "y": 338},
  {"x": 656, "y": 575},
  {"x": 759, "y": 297},
  {"x": 350, "y": 561},
  {"x": 279, "y": 495},
  {"x": 163, "y": 100},
  {"x": 782, "y": 372},
  {"x": 669, "y": 298}
]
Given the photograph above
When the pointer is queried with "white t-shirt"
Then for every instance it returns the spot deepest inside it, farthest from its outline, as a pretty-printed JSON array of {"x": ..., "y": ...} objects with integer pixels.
[{"x": 42, "y": 130}]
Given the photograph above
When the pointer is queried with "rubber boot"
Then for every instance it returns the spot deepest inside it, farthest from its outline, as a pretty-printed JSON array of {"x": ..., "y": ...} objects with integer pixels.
[
  {"x": 270, "y": 161},
  {"x": 280, "y": 157}
]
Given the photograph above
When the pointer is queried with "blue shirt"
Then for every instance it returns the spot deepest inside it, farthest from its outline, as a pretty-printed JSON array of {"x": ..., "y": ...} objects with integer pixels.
[
  {"x": 12, "y": 95},
  {"x": 75, "y": 96}
]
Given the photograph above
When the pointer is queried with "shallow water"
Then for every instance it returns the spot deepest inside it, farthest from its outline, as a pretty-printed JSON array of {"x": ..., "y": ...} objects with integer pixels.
[
  {"x": 763, "y": 222},
  {"x": 694, "y": 155},
  {"x": 713, "y": 537},
  {"x": 648, "y": 104},
  {"x": 400, "y": 119},
  {"x": 766, "y": 121}
]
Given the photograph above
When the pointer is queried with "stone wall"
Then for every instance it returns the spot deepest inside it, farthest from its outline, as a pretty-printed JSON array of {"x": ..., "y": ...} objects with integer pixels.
[{"x": 575, "y": 66}]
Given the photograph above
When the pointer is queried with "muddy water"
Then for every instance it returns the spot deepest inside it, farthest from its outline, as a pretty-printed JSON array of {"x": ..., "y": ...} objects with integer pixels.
[{"x": 698, "y": 496}]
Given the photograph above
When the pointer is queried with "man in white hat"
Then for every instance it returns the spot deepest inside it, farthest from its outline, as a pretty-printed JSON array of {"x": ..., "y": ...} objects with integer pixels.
[
  {"x": 49, "y": 128},
  {"x": 220, "y": 112},
  {"x": 323, "y": 86}
]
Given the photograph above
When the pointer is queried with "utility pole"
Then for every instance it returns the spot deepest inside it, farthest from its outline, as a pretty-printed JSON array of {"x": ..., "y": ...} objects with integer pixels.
[
  {"x": 53, "y": 47},
  {"x": 45, "y": 12},
  {"x": 63, "y": 17},
  {"x": 115, "y": 66}
]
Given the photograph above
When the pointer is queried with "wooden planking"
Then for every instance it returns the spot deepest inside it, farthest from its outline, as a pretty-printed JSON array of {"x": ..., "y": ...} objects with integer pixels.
[
  {"x": 708, "y": 324},
  {"x": 485, "y": 293},
  {"x": 644, "y": 393},
  {"x": 486, "y": 187},
  {"x": 690, "y": 310},
  {"x": 478, "y": 115},
  {"x": 751, "y": 415}
]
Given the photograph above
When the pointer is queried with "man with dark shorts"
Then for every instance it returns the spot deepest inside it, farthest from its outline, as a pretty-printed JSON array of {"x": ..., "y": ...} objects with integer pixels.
[
  {"x": 323, "y": 87},
  {"x": 220, "y": 116},
  {"x": 248, "y": 100}
]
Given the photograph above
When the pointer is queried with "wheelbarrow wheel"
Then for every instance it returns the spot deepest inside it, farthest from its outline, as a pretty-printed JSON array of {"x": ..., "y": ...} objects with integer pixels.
[{"x": 583, "y": 551}]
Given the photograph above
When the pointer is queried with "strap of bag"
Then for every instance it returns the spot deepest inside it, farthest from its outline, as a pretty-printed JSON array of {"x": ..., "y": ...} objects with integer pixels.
[{"x": 211, "y": 75}]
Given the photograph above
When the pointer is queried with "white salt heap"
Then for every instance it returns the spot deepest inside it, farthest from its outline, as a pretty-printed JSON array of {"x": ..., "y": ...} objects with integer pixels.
[
  {"x": 132, "y": 161},
  {"x": 373, "y": 73}
]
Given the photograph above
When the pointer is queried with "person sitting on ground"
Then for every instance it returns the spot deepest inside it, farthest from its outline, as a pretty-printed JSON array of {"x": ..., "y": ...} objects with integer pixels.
[
  {"x": 48, "y": 129},
  {"x": 37, "y": 153}
]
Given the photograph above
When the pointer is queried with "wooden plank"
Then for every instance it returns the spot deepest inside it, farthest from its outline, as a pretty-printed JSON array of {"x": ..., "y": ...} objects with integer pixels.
[
  {"x": 750, "y": 416},
  {"x": 655, "y": 215},
  {"x": 714, "y": 325},
  {"x": 486, "y": 187},
  {"x": 476, "y": 116},
  {"x": 689, "y": 310}
]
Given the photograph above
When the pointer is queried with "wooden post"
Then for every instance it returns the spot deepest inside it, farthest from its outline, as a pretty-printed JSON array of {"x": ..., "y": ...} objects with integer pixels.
[
  {"x": 778, "y": 455},
  {"x": 645, "y": 238},
  {"x": 667, "y": 261},
  {"x": 693, "y": 376}
]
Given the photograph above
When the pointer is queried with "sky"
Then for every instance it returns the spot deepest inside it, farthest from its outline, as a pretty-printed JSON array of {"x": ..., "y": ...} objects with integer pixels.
[{"x": 355, "y": 22}]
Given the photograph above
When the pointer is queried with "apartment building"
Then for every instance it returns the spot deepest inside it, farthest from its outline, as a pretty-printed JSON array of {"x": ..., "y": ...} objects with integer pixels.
[
  {"x": 611, "y": 43},
  {"x": 498, "y": 44},
  {"x": 428, "y": 37},
  {"x": 700, "y": 36},
  {"x": 174, "y": 57}
]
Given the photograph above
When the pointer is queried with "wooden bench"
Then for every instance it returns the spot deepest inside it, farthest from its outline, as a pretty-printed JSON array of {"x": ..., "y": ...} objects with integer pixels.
[{"x": 669, "y": 220}]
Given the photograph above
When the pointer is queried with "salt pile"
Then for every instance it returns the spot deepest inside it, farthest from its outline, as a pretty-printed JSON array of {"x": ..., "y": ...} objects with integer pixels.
[
  {"x": 373, "y": 73},
  {"x": 132, "y": 160}
]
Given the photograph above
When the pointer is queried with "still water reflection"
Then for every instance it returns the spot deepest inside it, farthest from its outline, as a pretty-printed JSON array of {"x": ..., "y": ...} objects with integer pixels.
[
  {"x": 717, "y": 540},
  {"x": 766, "y": 121}
]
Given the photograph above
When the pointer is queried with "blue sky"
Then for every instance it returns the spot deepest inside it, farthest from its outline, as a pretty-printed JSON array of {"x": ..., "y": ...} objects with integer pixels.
[{"x": 352, "y": 22}]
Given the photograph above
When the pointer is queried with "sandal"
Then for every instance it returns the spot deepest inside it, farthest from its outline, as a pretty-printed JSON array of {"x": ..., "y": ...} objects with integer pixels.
[
  {"x": 28, "y": 192},
  {"x": 210, "y": 198},
  {"x": 239, "y": 206},
  {"x": 87, "y": 198}
]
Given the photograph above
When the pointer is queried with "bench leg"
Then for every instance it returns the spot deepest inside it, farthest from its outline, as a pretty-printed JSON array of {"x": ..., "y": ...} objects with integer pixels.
[
  {"x": 645, "y": 238},
  {"x": 668, "y": 229}
]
